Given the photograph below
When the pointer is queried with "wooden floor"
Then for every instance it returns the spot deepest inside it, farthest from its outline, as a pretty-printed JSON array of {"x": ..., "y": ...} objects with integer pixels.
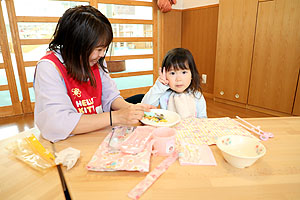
[
  {"x": 10, "y": 126},
  {"x": 217, "y": 109}
]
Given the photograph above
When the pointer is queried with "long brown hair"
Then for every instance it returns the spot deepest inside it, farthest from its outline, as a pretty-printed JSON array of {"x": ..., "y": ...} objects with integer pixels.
[{"x": 78, "y": 32}]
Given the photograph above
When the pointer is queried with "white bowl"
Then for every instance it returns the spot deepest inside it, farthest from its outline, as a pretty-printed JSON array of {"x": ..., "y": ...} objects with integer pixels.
[
  {"x": 171, "y": 117},
  {"x": 240, "y": 151}
]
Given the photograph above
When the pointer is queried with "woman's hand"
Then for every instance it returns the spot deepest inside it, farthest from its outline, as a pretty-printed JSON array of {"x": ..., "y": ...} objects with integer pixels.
[
  {"x": 162, "y": 76},
  {"x": 130, "y": 115}
]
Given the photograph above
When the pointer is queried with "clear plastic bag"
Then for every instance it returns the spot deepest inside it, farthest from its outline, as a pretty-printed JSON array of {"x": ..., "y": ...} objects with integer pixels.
[
  {"x": 32, "y": 152},
  {"x": 131, "y": 140},
  {"x": 118, "y": 136},
  {"x": 137, "y": 140}
]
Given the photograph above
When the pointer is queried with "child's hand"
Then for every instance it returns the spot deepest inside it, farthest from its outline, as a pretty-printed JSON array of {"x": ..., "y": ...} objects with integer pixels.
[{"x": 162, "y": 77}]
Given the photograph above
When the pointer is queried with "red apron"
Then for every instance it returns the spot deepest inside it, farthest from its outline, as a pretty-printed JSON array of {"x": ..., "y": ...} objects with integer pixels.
[{"x": 84, "y": 97}]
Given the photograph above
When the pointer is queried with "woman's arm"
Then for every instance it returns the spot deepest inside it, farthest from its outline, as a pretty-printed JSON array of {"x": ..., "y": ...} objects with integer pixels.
[
  {"x": 88, "y": 123},
  {"x": 124, "y": 114}
]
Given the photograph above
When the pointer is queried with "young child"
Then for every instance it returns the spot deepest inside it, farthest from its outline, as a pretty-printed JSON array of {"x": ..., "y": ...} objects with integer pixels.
[
  {"x": 178, "y": 86},
  {"x": 74, "y": 93}
]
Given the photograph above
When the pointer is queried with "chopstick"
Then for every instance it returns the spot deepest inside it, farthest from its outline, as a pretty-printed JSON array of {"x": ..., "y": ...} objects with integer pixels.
[
  {"x": 112, "y": 133},
  {"x": 262, "y": 134},
  {"x": 62, "y": 178}
]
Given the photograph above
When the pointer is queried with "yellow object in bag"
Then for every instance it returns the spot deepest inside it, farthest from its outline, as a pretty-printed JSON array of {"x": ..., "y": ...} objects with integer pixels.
[{"x": 32, "y": 152}]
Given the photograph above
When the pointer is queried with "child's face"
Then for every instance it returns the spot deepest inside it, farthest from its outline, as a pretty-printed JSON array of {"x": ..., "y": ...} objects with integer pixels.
[
  {"x": 179, "y": 80},
  {"x": 97, "y": 53}
]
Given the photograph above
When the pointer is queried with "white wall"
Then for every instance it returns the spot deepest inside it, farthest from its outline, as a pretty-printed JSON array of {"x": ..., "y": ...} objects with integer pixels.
[{"x": 185, "y": 4}]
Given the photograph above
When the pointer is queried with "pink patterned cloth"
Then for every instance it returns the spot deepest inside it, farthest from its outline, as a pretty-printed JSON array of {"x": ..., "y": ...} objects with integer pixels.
[
  {"x": 140, "y": 188},
  {"x": 103, "y": 160}
]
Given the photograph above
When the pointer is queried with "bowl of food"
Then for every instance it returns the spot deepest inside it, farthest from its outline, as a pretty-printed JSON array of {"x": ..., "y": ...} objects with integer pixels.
[{"x": 240, "y": 151}]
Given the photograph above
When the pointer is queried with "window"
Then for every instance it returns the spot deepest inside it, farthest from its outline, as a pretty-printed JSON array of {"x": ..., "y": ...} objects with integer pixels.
[{"x": 33, "y": 24}]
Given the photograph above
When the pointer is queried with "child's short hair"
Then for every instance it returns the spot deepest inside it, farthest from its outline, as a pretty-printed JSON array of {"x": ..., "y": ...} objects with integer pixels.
[
  {"x": 78, "y": 32},
  {"x": 180, "y": 58}
]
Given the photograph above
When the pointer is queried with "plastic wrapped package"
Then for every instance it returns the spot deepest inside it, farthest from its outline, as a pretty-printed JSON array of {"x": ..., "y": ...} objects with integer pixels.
[
  {"x": 31, "y": 151},
  {"x": 118, "y": 136},
  {"x": 131, "y": 140}
]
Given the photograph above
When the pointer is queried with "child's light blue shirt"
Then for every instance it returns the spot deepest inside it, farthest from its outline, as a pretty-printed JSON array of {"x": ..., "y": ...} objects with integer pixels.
[{"x": 159, "y": 94}]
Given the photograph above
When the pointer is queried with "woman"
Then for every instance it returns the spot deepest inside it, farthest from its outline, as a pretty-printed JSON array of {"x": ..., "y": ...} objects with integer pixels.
[{"x": 74, "y": 92}]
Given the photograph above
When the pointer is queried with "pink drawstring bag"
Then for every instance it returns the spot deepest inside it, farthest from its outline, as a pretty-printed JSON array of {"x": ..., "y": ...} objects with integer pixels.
[{"x": 118, "y": 158}]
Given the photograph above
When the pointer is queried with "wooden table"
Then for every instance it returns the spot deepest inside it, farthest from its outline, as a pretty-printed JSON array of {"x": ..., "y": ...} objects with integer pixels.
[
  {"x": 274, "y": 176},
  {"x": 19, "y": 181}
]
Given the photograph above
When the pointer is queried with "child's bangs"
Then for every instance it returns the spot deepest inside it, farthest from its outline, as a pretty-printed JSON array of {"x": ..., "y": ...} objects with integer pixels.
[{"x": 178, "y": 65}]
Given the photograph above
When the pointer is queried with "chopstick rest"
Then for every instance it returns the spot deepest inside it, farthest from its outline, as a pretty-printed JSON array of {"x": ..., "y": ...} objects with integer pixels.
[{"x": 67, "y": 157}]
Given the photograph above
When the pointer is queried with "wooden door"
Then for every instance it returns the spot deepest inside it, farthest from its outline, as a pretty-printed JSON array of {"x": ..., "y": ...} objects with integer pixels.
[
  {"x": 26, "y": 103},
  {"x": 199, "y": 35},
  {"x": 276, "y": 57},
  {"x": 236, "y": 30},
  {"x": 15, "y": 108}
]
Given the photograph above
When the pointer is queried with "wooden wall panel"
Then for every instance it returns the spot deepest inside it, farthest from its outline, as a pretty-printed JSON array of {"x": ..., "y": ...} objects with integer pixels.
[
  {"x": 170, "y": 31},
  {"x": 276, "y": 57},
  {"x": 199, "y": 35}
]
